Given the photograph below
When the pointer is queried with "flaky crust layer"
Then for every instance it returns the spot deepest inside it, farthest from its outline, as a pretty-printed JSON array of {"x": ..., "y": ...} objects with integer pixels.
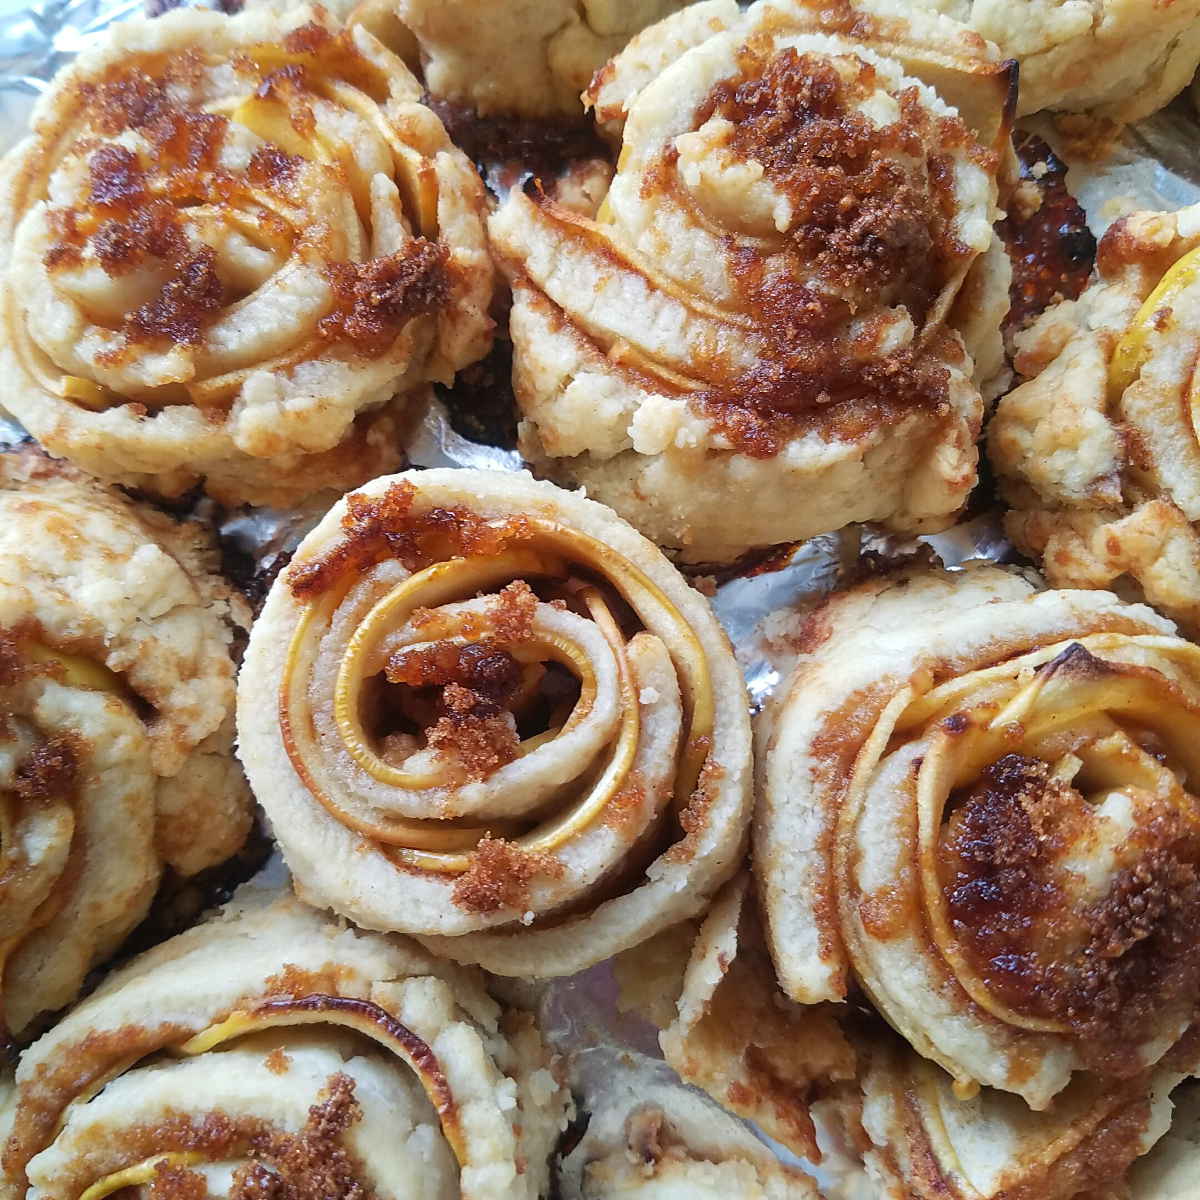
[
  {"x": 535, "y": 835},
  {"x": 236, "y": 250},
  {"x": 118, "y": 693},
  {"x": 710, "y": 352}
]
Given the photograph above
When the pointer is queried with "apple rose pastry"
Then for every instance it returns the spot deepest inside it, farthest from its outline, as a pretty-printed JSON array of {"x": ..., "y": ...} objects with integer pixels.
[
  {"x": 117, "y": 693},
  {"x": 774, "y": 323},
  {"x": 1098, "y": 450},
  {"x": 272, "y": 1051},
  {"x": 978, "y": 804},
  {"x": 236, "y": 249},
  {"x": 1117, "y": 59},
  {"x": 484, "y": 710}
]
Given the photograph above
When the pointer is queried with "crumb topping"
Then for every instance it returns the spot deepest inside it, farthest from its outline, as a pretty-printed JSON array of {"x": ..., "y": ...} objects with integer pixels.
[
  {"x": 872, "y": 216},
  {"x": 1106, "y": 970},
  {"x": 499, "y": 876},
  {"x": 389, "y": 525}
]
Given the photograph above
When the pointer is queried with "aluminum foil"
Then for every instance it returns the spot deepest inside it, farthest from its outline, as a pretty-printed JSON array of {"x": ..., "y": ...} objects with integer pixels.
[{"x": 1151, "y": 165}]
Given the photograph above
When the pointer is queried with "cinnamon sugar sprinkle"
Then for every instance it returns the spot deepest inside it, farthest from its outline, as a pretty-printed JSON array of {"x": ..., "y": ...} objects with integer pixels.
[
  {"x": 499, "y": 876},
  {"x": 869, "y": 224}
]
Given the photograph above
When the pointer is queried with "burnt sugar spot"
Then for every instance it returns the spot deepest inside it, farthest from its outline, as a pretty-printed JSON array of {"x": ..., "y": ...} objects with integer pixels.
[
  {"x": 184, "y": 305},
  {"x": 1107, "y": 970}
]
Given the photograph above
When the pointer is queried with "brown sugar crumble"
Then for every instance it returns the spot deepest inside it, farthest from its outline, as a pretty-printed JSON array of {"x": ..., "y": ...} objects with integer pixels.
[
  {"x": 390, "y": 526},
  {"x": 173, "y": 1182},
  {"x": 870, "y": 226},
  {"x": 1135, "y": 950},
  {"x": 49, "y": 772},
  {"x": 474, "y": 732},
  {"x": 499, "y": 876},
  {"x": 374, "y": 300},
  {"x": 278, "y": 1061}
]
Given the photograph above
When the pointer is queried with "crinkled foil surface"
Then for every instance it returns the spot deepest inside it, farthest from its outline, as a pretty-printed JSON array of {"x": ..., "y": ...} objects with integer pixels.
[{"x": 1152, "y": 165}]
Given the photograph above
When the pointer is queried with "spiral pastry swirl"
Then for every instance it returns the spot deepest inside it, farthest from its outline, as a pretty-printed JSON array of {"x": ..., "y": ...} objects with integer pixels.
[
  {"x": 777, "y": 319},
  {"x": 236, "y": 249},
  {"x": 483, "y": 710},
  {"x": 1098, "y": 450},
  {"x": 116, "y": 687},
  {"x": 274, "y": 1050},
  {"x": 995, "y": 793}
]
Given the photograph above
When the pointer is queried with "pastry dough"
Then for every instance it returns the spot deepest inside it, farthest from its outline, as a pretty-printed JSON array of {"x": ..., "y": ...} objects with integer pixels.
[
  {"x": 757, "y": 338},
  {"x": 1097, "y": 451},
  {"x": 116, "y": 686},
  {"x": 736, "y": 1036},
  {"x": 236, "y": 249},
  {"x": 926, "y": 1143},
  {"x": 1118, "y": 59},
  {"x": 977, "y": 803},
  {"x": 271, "y": 1049},
  {"x": 483, "y": 710},
  {"x": 529, "y": 58}
]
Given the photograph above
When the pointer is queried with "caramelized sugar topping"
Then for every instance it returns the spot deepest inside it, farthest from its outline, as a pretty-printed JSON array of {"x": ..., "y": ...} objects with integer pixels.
[
  {"x": 135, "y": 208},
  {"x": 872, "y": 211},
  {"x": 382, "y": 526},
  {"x": 1105, "y": 969}
]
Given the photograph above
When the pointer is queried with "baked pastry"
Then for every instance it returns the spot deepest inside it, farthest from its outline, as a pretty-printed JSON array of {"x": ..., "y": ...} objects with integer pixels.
[
  {"x": 236, "y": 250},
  {"x": 779, "y": 318},
  {"x": 531, "y": 58},
  {"x": 924, "y": 1142},
  {"x": 649, "y": 1138},
  {"x": 1117, "y": 59},
  {"x": 833, "y": 1084},
  {"x": 977, "y": 805},
  {"x": 734, "y": 1034},
  {"x": 272, "y": 1050},
  {"x": 116, "y": 687},
  {"x": 483, "y": 710},
  {"x": 1097, "y": 450}
]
